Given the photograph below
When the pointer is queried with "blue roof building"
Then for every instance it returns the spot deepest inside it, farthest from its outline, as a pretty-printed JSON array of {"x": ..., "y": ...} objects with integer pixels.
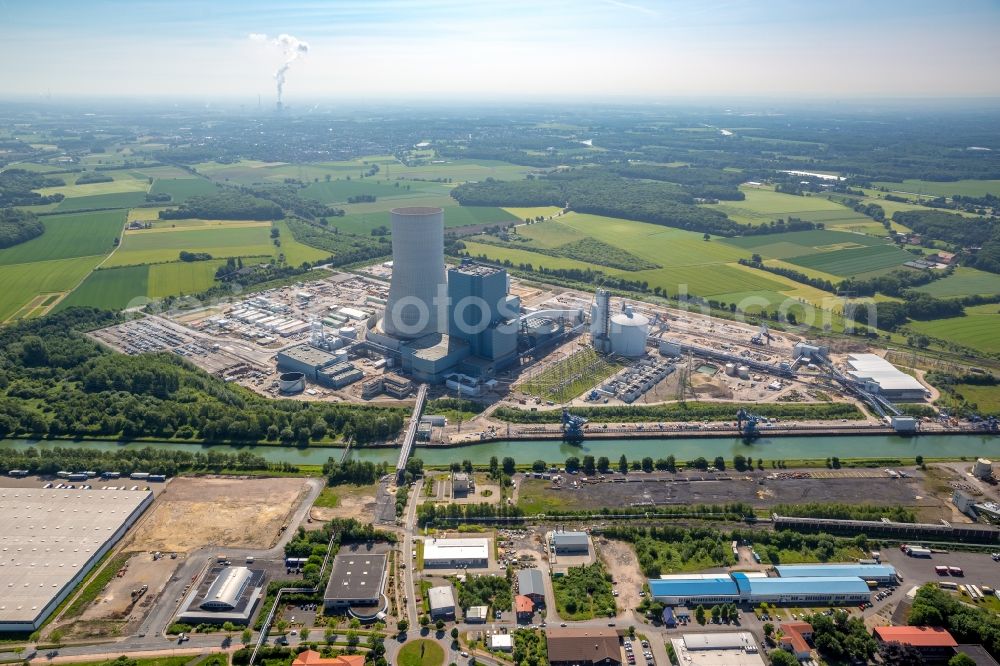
[
  {"x": 739, "y": 587},
  {"x": 883, "y": 573},
  {"x": 674, "y": 591}
]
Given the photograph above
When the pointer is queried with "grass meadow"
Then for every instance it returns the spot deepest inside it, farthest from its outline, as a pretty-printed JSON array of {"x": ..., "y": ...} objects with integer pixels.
[
  {"x": 22, "y": 283},
  {"x": 970, "y": 188},
  {"x": 110, "y": 288},
  {"x": 182, "y": 189},
  {"x": 102, "y": 201},
  {"x": 67, "y": 236},
  {"x": 142, "y": 248},
  {"x": 963, "y": 282},
  {"x": 977, "y": 329}
]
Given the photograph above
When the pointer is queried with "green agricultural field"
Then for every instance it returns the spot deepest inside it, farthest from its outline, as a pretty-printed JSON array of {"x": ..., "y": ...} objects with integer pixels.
[
  {"x": 179, "y": 277},
  {"x": 23, "y": 283},
  {"x": 161, "y": 172},
  {"x": 182, "y": 189},
  {"x": 338, "y": 191},
  {"x": 971, "y": 188},
  {"x": 67, "y": 236},
  {"x": 856, "y": 261},
  {"x": 761, "y": 206},
  {"x": 125, "y": 183},
  {"x": 986, "y": 398},
  {"x": 101, "y": 201},
  {"x": 440, "y": 199},
  {"x": 294, "y": 251},
  {"x": 533, "y": 211},
  {"x": 977, "y": 329},
  {"x": 454, "y": 216},
  {"x": 140, "y": 248},
  {"x": 963, "y": 282},
  {"x": 111, "y": 288}
]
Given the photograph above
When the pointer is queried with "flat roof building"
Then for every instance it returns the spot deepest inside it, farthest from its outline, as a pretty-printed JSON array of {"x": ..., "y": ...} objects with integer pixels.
[
  {"x": 50, "y": 539},
  {"x": 313, "y": 658},
  {"x": 452, "y": 553},
  {"x": 882, "y": 573},
  {"x": 357, "y": 580},
  {"x": 224, "y": 594},
  {"x": 583, "y": 646},
  {"x": 881, "y": 376},
  {"x": 570, "y": 543},
  {"x": 477, "y": 614},
  {"x": 502, "y": 642},
  {"x": 718, "y": 649},
  {"x": 442, "y": 601},
  {"x": 739, "y": 587}
]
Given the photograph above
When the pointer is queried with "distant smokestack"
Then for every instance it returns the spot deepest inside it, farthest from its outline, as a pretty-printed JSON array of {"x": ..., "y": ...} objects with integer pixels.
[{"x": 291, "y": 47}]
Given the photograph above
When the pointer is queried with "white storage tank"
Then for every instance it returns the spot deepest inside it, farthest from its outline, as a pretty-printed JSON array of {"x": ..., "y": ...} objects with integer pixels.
[
  {"x": 629, "y": 331},
  {"x": 731, "y": 369},
  {"x": 744, "y": 372},
  {"x": 340, "y": 355}
]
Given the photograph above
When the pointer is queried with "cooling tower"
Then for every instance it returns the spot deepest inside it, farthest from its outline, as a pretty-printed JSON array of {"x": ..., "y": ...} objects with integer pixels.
[{"x": 417, "y": 272}]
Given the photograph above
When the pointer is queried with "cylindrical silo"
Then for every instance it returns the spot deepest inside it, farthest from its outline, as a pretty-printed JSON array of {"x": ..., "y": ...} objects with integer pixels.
[
  {"x": 417, "y": 272},
  {"x": 744, "y": 372},
  {"x": 629, "y": 331},
  {"x": 731, "y": 369}
]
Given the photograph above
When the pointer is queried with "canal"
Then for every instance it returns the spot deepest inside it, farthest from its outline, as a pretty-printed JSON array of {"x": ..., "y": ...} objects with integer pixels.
[{"x": 526, "y": 451}]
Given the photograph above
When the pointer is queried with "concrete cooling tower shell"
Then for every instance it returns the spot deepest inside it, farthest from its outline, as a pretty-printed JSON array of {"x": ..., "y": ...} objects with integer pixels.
[
  {"x": 628, "y": 334},
  {"x": 417, "y": 272}
]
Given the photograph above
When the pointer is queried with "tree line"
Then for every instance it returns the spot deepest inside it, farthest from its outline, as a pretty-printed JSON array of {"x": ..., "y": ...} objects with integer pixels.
[
  {"x": 226, "y": 205},
  {"x": 16, "y": 187},
  {"x": 685, "y": 411},
  {"x": 55, "y": 381},
  {"x": 18, "y": 226}
]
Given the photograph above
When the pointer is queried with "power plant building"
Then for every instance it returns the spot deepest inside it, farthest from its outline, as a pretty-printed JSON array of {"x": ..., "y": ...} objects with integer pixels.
[
  {"x": 461, "y": 324},
  {"x": 882, "y": 377},
  {"x": 50, "y": 540},
  {"x": 317, "y": 366}
]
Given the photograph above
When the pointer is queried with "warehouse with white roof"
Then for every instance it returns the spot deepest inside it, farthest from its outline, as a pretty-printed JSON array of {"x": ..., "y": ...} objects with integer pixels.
[
  {"x": 50, "y": 539},
  {"x": 455, "y": 553},
  {"x": 882, "y": 377}
]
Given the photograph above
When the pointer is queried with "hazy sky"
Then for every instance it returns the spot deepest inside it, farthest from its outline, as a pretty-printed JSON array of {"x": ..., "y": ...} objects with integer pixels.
[{"x": 513, "y": 49}]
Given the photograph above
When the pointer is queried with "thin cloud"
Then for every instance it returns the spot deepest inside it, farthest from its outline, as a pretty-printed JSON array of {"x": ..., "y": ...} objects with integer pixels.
[{"x": 635, "y": 8}]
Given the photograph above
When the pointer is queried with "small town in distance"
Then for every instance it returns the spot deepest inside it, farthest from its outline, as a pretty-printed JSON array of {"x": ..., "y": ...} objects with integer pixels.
[{"x": 602, "y": 333}]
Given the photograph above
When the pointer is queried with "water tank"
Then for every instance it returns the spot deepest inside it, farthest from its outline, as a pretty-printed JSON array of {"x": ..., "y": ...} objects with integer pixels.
[
  {"x": 744, "y": 372},
  {"x": 348, "y": 332},
  {"x": 983, "y": 468},
  {"x": 292, "y": 382},
  {"x": 731, "y": 369},
  {"x": 340, "y": 355},
  {"x": 417, "y": 272},
  {"x": 629, "y": 331}
]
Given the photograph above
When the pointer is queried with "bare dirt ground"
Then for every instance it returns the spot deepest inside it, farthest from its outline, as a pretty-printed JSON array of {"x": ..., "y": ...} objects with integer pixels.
[
  {"x": 356, "y": 502},
  {"x": 196, "y": 512},
  {"x": 115, "y": 600},
  {"x": 623, "y": 566}
]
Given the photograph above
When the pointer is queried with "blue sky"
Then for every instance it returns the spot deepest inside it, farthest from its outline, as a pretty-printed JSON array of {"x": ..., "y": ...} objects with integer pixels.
[{"x": 478, "y": 49}]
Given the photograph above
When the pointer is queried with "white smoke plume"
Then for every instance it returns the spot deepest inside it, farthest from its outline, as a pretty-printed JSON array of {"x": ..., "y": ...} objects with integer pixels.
[{"x": 292, "y": 48}]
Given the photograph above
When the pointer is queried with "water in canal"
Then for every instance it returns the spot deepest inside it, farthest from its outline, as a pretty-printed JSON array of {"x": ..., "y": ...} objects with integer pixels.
[{"x": 526, "y": 451}]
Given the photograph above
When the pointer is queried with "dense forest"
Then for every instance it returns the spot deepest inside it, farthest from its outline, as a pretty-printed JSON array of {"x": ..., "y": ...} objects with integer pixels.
[
  {"x": 17, "y": 226},
  {"x": 344, "y": 248},
  {"x": 16, "y": 187},
  {"x": 225, "y": 206},
  {"x": 967, "y": 623},
  {"x": 602, "y": 193},
  {"x": 55, "y": 381},
  {"x": 697, "y": 181}
]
